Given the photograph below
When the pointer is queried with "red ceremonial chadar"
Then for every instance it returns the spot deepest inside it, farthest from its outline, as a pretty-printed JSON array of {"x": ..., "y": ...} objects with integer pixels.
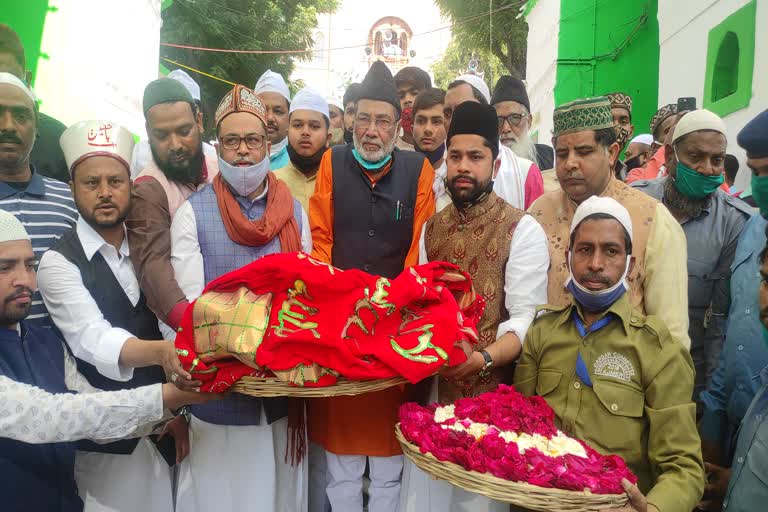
[{"x": 309, "y": 323}]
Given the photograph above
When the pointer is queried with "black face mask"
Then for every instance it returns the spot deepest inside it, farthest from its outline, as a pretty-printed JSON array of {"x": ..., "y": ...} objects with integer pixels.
[
  {"x": 432, "y": 156},
  {"x": 348, "y": 137},
  {"x": 633, "y": 163},
  {"x": 306, "y": 164}
]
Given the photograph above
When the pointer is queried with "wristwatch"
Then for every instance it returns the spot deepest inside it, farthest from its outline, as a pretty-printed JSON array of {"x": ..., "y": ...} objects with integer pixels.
[{"x": 485, "y": 371}]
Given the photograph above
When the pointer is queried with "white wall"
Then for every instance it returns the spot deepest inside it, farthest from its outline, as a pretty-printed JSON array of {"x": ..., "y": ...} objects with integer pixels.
[
  {"x": 349, "y": 26},
  {"x": 543, "y": 34},
  {"x": 102, "y": 53},
  {"x": 684, "y": 27}
]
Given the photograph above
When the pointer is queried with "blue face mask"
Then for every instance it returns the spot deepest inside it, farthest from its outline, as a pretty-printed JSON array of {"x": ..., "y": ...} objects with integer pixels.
[
  {"x": 371, "y": 166},
  {"x": 596, "y": 301}
]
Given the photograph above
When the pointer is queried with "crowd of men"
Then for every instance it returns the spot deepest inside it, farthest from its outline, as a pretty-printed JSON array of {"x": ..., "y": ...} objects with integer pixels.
[{"x": 632, "y": 294}]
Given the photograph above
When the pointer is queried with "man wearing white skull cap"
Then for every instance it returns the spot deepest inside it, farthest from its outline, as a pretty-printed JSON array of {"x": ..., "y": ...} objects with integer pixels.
[
  {"x": 47, "y": 404},
  {"x": 308, "y": 139},
  {"x": 89, "y": 286},
  {"x": 43, "y": 205},
  {"x": 273, "y": 92}
]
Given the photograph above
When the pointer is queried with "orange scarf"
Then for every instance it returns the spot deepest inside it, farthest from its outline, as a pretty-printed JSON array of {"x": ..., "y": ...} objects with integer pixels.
[{"x": 278, "y": 218}]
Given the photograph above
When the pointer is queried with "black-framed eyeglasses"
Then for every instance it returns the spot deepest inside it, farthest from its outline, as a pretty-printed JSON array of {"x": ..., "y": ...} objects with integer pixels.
[
  {"x": 251, "y": 141},
  {"x": 511, "y": 119}
]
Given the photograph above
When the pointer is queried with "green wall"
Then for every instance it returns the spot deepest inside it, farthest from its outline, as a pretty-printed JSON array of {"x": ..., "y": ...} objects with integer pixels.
[
  {"x": 27, "y": 18},
  {"x": 607, "y": 46}
]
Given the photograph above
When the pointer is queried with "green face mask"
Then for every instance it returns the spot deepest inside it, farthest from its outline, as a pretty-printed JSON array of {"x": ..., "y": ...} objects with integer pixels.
[
  {"x": 760, "y": 193},
  {"x": 693, "y": 184}
]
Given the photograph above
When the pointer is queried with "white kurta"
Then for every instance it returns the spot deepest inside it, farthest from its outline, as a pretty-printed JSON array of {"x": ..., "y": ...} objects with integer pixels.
[
  {"x": 232, "y": 468},
  {"x": 107, "y": 482},
  {"x": 525, "y": 288}
]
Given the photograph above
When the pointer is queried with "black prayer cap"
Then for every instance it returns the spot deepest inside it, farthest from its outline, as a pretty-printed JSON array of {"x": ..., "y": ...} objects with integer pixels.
[
  {"x": 352, "y": 93},
  {"x": 754, "y": 136},
  {"x": 473, "y": 118},
  {"x": 379, "y": 85},
  {"x": 509, "y": 88}
]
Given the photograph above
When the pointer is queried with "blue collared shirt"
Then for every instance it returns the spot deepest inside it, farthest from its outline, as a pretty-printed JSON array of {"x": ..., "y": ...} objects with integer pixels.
[
  {"x": 748, "y": 487},
  {"x": 734, "y": 383}
]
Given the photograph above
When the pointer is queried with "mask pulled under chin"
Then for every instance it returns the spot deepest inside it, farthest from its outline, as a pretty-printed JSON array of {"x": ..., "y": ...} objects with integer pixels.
[
  {"x": 277, "y": 148},
  {"x": 306, "y": 163},
  {"x": 433, "y": 156},
  {"x": 244, "y": 180},
  {"x": 596, "y": 301}
]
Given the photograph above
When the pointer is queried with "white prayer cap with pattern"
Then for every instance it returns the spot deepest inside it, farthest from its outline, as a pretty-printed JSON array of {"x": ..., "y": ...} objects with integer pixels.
[
  {"x": 96, "y": 138},
  {"x": 11, "y": 228},
  {"x": 698, "y": 120},
  {"x": 605, "y": 205},
  {"x": 272, "y": 82}
]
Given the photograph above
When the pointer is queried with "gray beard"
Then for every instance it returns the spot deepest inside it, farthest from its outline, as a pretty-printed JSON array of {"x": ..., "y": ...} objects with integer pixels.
[
  {"x": 524, "y": 148},
  {"x": 681, "y": 205},
  {"x": 374, "y": 156}
]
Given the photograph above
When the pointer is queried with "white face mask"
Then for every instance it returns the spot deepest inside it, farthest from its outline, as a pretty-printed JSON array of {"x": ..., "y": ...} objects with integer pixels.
[{"x": 244, "y": 180}]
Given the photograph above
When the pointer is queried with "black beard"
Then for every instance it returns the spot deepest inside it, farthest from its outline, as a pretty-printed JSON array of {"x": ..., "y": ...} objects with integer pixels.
[
  {"x": 306, "y": 164},
  {"x": 682, "y": 205},
  {"x": 188, "y": 173},
  {"x": 348, "y": 136},
  {"x": 479, "y": 192}
]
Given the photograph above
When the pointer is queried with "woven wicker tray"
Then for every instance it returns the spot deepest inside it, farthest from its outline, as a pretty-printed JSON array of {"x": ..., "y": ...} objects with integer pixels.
[
  {"x": 272, "y": 387},
  {"x": 517, "y": 493}
]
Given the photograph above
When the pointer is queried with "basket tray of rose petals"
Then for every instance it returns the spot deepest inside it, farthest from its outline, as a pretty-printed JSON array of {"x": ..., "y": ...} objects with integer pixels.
[{"x": 506, "y": 446}]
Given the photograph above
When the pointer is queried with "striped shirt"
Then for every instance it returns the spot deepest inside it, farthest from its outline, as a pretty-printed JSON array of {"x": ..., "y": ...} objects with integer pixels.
[{"x": 46, "y": 209}]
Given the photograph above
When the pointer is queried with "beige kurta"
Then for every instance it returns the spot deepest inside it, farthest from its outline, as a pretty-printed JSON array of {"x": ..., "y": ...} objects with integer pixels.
[
  {"x": 659, "y": 281},
  {"x": 301, "y": 186}
]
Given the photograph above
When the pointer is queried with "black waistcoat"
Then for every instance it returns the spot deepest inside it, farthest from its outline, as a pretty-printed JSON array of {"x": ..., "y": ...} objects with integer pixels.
[
  {"x": 36, "y": 476},
  {"x": 373, "y": 225},
  {"x": 118, "y": 311}
]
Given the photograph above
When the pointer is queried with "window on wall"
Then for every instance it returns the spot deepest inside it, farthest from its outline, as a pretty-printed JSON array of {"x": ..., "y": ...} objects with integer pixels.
[{"x": 730, "y": 62}]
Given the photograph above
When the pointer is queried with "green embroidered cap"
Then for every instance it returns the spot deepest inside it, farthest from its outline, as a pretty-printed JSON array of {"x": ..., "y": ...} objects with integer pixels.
[{"x": 583, "y": 115}]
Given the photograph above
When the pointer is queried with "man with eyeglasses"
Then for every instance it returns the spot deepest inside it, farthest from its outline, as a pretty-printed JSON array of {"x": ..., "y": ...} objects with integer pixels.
[
  {"x": 370, "y": 203},
  {"x": 245, "y": 214},
  {"x": 178, "y": 168},
  {"x": 513, "y": 109}
]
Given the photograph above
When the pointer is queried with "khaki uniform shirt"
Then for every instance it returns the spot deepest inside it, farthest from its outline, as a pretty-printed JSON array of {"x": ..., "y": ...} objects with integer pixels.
[
  {"x": 639, "y": 406},
  {"x": 301, "y": 186}
]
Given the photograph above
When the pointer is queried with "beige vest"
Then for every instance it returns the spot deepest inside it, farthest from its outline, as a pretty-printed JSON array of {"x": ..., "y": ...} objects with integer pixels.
[
  {"x": 176, "y": 192},
  {"x": 478, "y": 241},
  {"x": 554, "y": 211}
]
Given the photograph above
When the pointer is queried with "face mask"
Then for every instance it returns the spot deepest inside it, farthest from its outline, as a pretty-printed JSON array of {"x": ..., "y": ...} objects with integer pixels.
[
  {"x": 306, "y": 163},
  {"x": 278, "y": 148},
  {"x": 406, "y": 120},
  {"x": 760, "y": 193},
  {"x": 595, "y": 301},
  {"x": 371, "y": 166},
  {"x": 433, "y": 156},
  {"x": 244, "y": 180},
  {"x": 765, "y": 336},
  {"x": 633, "y": 163},
  {"x": 693, "y": 184}
]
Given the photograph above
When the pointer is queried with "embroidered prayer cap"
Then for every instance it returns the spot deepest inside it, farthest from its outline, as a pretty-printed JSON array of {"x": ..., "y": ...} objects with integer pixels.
[
  {"x": 604, "y": 205},
  {"x": 509, "y": 88},
  {"x": 96, "y": 138},
  {"x": 620, "y": 100},
  {"x": 165, "y": 90},
  {"x": 478, "y": 83},
  {"x": 272, "y": 82},
  {"x": 754, "y": 136},
  {"x": 11, "y": 228},
  {"x": 698, "y": 120},
  {"x": 379, "y": 85},
  {"x": 352, "y": 94},
  {"x": 187, "y": 81},
  {"x": 582, "y": 115},
  {"x": 415, "y": 76},
  {"x": 644, "y": 138},
  {"x": 240, "y": 99},
  {"x": 474, "y": 118},
  {"x": 8, "y": 78},
  {"x": 661, "y": 114},
  {"x": 310, "y": 99}
]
